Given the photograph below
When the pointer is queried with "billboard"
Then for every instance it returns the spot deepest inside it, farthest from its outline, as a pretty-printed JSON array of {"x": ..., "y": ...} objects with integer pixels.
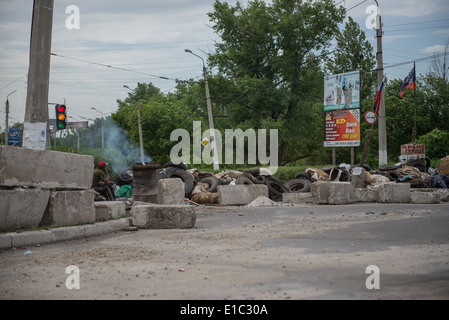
[
  {"x": 342, "y": 128},
  {"x": 342, "y": 91}
]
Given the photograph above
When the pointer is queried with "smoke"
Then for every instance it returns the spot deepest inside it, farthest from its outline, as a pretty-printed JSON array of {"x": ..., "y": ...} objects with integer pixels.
[{"x": 120, "y": 152}]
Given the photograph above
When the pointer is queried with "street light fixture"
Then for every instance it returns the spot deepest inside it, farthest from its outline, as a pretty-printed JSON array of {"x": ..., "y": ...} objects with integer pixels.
[
  {"x": 209, "y": 112},
  {"x": 102, "y": 127}
]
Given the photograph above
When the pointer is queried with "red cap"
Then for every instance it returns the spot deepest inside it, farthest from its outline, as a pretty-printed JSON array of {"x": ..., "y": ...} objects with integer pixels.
[{"x": 101, "y": 164}]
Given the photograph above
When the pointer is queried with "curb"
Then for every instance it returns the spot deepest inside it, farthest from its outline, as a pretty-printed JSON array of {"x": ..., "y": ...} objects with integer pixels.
[{"x": 29, "y": 238}]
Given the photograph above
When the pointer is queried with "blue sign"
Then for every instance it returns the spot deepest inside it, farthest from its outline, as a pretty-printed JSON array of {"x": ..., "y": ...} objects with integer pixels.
[{"x": 14, "y": 137}]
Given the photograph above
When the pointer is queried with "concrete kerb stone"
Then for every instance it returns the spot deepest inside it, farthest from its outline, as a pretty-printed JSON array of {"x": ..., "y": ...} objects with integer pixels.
[
  {"x": 320, "y": 191},
  {"x": 30, "y": 238},
  {"x": 171, "y": 191}
]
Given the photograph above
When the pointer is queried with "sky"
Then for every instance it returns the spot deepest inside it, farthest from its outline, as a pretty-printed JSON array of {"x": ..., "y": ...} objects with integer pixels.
[{"x": 144, "y": 41}]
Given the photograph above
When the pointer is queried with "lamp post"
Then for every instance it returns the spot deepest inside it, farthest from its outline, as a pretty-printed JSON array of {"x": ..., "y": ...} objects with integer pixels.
[
  {"x": 142, "y": 157},
  {"x": 7, "y": 116},
  {"x": 209, "y": 112},
  {"x": 102, "y": 127}
]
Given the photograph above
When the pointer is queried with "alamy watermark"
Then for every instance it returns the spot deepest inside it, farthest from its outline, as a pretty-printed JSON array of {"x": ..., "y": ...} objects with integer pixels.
[
  {"x": 373, "y": 12},
  {"x": 373, "y": 281},
  {"x": 73, "y": 20},
  {"x": 203, "y": 150}
]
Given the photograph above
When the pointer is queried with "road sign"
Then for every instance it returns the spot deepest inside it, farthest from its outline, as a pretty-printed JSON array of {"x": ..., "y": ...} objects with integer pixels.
[
  {"x": 78, "y": 125},
  {"x": 14, "y": 137},
  {"x": 370, "y": 117}
]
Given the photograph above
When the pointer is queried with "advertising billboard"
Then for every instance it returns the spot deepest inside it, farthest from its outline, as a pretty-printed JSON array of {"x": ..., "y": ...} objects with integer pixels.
[
  {"x": 342, "y": 128},
  {"x": 342, "y": 91}
]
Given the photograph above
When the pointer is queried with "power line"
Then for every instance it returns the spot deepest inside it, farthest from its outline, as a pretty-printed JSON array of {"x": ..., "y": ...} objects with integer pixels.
[{"x": 112, "y": 67}]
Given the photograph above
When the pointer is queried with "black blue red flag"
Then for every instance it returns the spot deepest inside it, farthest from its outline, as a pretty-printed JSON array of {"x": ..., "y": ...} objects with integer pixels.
[{"x": 409, "y": 82}]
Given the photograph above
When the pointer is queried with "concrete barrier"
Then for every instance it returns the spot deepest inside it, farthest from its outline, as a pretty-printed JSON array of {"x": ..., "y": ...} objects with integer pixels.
[
  {"x": 394, "y": 192},
  {"x": 171, "y": 191},
  {"x": 67, "y": 208},
  {"x": 341, "y": 193},
  {"x": 298, "y": 197},
  {"x": 154, "y": 216},
  {"x": 240, "y": 194},
  {"x": 107, "y": 210},
  {"x": 320, "y": 190},
  {"x": 45, "y": 169},
  {"x": 22, "y": 208},
  {"x": 368, "y": 194},
  {"x": 422, "y": 197}
]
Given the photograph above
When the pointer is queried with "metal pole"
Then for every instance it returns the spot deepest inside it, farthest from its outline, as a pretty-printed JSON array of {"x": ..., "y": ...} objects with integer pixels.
[
  {"x": 102, "y": 127},
  {"x": 142, "y": 158},
  {"x": 210, "y": 116},
  {"x": 414, "y": 98},
  {"x": 382, "y": 117}
]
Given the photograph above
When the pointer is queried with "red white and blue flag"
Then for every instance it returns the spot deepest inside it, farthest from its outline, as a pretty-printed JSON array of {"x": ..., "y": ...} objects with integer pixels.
[
  {"x": 378, "y": 97},
  {"x": 409, "y": 82}
]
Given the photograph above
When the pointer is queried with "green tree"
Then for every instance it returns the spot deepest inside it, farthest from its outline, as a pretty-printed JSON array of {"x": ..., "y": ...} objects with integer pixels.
[{"x": 270, "y": 55}]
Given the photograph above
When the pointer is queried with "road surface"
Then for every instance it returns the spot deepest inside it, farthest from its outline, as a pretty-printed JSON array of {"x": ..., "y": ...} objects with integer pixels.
[{"x": 360, "y": 251}]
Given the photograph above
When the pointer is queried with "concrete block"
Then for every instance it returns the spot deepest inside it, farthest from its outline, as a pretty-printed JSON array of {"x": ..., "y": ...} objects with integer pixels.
[
  {"x": 444, "y": 195},
  {"x": 22, "y": 208},
  {"x": 45, "y": 169},
  {"x": 358, "y": 177},
  {"x": 369, "y": 194},
  {"x": 31, "y": 238},
  {"x": 422, "y": 197},
  {"x": 240, "y": 194},
  {"x": 341, "y": 193},
  {"x": 107, "y": 210},
  {"x": 163, "y": 217},
  {"x": 298, "y": 197},
  {"x": 320, "y": 191},
  {"x": 171, "y": 191},
  {"x": 66, "y": 208},
  {"x": 394, "y": 192}
]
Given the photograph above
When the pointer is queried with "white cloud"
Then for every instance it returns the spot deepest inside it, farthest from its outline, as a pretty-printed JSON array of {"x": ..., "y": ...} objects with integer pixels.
[{"x": 434, "y": 49}]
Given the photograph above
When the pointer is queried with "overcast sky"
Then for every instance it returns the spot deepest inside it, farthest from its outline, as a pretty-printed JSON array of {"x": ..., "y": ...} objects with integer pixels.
[{"x": 149, "y": 36}]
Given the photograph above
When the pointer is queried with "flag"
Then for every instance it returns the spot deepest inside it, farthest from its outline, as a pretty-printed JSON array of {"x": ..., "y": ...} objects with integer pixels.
[
  {"x": 409, "y": 82},
  {"x": 378, "y": 96}
]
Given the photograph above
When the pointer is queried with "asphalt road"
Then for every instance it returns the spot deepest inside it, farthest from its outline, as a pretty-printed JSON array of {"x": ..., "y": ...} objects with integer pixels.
[{"x": 241, "y": 253}]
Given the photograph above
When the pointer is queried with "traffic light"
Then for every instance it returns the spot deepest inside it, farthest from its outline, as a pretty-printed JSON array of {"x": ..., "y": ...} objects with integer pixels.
[{"x": 61, "y": 117}]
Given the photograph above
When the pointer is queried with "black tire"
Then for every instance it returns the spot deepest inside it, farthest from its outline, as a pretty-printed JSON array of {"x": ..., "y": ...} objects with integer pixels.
[
  {"x": 303, "y": 175},
  {"x": 338, "y": 174},
  {"x": 276, "y": 187},
  {"x": 393, "y": 176},
  {"x": 388, "y": 168},
  {"x": 298, "y": 185},
  {"x": 173, "y": 165},
  {"x": 260, "y": 180},
  {"x": 184, "y": 176},
  {"x": 243, "y": 180},
  {"x": 212, "y": 181}
]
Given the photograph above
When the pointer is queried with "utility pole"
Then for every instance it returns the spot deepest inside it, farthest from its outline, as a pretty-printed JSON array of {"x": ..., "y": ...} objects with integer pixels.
[
  {"x": 36, "y": 114},
  {"x": 380, "y": 75},
  {"x": 102, "y": 127},
  {"x": 142, "y": 157}
]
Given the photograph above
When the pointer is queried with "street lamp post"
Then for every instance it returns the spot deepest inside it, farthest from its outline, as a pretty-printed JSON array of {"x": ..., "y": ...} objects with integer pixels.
[
  {"x": 102, "y": 127},
  {"x": 142, "y": 157},
  {"x": 7, "y": 117},
  {"x": 209, "y": 112}
]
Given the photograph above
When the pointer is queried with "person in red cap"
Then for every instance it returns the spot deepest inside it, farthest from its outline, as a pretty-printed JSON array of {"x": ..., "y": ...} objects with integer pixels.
[{"x": 101, "y": 183}]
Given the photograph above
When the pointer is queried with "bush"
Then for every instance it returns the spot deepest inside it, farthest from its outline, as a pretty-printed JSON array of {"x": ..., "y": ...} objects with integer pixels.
[{"x": 437, "y": 143}]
